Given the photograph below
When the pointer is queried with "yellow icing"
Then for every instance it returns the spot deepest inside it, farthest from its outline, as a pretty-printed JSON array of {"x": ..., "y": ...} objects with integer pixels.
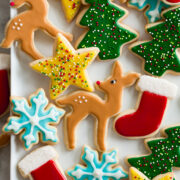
[
  {"x": 136, "y": 175},
  {"x": 167, "y": 176},
  {"x": 71, "y": 7},
  {"x": 67, "y": 67}
]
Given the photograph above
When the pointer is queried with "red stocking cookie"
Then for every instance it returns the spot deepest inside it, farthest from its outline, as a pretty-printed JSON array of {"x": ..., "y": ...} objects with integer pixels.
[
  {"x": 41, "y": 165},
  {"x": 84, "y": 103},
  {"x": 146, "y": 119},
  {"x": 23, "y": 26},
  {"x": 4, "y": 83},
  {"x": 172, "y": 2}
]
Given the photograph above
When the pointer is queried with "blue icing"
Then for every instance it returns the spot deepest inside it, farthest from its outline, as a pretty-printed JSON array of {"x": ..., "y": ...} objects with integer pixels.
[
  {"x": 34, "y": 119},
  {"x": 154, "y": 9},
  {"x": 96, "y": 169}
]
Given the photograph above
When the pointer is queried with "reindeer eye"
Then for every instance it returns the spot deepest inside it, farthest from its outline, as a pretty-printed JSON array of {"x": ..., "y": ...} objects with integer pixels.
[{"x": 113, "y": 82}]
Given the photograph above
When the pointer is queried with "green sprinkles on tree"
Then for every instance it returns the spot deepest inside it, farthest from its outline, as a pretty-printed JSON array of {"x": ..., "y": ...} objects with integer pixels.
[
  {"x": 161, "y": 54},
  {"x": 104, "y": 31},
  {"x": 165, "y": 154}
]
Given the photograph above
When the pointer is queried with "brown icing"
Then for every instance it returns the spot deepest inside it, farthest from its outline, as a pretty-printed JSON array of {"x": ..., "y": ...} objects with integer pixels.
[
  {"x": 85, "y": 103},
  {"x": 23, "y": 26}
]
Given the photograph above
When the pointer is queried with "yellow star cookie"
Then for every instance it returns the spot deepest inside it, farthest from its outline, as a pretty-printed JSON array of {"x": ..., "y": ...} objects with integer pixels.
[
  {"x": 67, "y": 67},
  {"x": 135, "y": 174},
  {"x": 167, "y": 176},
  {"x": 71, "y": 8}
]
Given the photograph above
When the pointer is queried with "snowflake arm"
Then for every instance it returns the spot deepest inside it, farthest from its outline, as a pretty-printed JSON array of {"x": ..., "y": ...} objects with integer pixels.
[
  {"x": 98, "y": 170},
  {"x": 34, "y": 119}
]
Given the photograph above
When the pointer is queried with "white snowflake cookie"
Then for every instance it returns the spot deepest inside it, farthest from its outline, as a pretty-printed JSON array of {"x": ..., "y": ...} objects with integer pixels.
[
  {"x": 96, "y": 169},
  {"x": 34, "y": 118}
]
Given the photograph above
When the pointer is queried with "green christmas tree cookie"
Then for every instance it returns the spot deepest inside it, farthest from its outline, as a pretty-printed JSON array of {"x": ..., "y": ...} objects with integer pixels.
[
  {"x": 165, "y": 154},
  {"x": 160, "y": 54},
  {"x": 104, "y": 31}
]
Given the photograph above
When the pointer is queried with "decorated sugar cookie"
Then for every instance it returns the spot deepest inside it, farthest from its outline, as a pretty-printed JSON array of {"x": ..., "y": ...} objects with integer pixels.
[
  {"x": 33, "y": 118},
  {"x": 66, "y": 67},
  {"x": 172, "y": 2},
  {"x": 146, "y": 119},
  {"x": 71, "y": 8},
  {"x": 153, "y": 8},
  {"x": 164, "y": 155},
  {"x": 134, "y": 174},
  {"x": 41, "y": 164},
  {"x": 99, "y": 169},
  {"x": 23, "y": 26},
  {"x": 84, "y": 103},
  {"x": 4, "y": 83},
  {"x": 104, "y": 31},
  {"x": 161, "y": 53}
]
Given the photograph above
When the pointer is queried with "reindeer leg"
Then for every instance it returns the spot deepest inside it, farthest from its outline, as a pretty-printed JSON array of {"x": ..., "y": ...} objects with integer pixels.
[
  {"x": 101, "y": 133},
  {"x": 72, "y": 121},
  {"x": 53, "y": 31},
  {"x": 29, "y": 47}
]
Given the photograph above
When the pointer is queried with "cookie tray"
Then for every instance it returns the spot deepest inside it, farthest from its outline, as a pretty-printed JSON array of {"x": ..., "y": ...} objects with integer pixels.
[{"x": 25, "y": 81}]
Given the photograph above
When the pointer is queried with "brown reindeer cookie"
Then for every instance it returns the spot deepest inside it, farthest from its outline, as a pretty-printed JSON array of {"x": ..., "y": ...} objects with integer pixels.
[
  {"x": 23, "y": 26},
  {"x": 84, "y": 103}
]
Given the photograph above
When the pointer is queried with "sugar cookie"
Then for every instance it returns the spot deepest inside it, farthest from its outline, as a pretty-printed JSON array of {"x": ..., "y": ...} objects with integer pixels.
[
  {"x": 34, "y": 117},
  {"x": 161, "y": 53},
  {"x": 146, "y": 119},
  {"x": 4, "y": 139},
  {"x": 84, "y": 103},
  {"x": 102, "y": 169},
  {"x": 66, "y": 67},
  {"x": 41, "y": 164},
  {"x": 152, "y": 8},
  {"x": 23, "y": 26},
  {"x": 71, "y": 8},
  {"x": 4, "y": 83},
  {"x": 164, "y": 154},
  {"x": 102, "y": 19}
]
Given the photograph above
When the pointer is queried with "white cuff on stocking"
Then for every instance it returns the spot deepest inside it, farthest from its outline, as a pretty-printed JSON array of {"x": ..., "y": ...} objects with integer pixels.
[
  {"x": 36, "y": 159},
  {"x": 4, "y": 61},
  {"x": 157, "y": 86}
]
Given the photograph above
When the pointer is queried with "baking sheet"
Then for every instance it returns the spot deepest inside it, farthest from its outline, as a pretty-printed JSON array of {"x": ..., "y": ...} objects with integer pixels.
[{"x": 25, "y": 81}]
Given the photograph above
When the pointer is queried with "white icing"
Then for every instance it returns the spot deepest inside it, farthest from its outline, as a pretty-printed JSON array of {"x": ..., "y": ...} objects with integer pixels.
[
  {"x": 18, "y": 28},
  {"x": 140, "y": 2},
  {"x": 21, "y": 24},
  {"x": 36, "y": 159},
  {"x": 158, "y": 86},
  {"x": 16, "y": 23},
  {"x": 155, "y": 13}
]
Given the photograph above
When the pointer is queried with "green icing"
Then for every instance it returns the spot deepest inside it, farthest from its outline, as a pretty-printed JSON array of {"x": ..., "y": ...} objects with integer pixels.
[
  {"x": 104, "y": 30},
  {"x": 160, "y": 54},
  {"x": 165, "y": 155}
]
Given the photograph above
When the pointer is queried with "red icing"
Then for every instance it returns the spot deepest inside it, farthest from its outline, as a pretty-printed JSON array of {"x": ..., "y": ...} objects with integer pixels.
[
  {"x": 146, "y": 119},
  {"x": 173, "y": 1},
  {"x": 12, "y": 3},
  {"x": 48, "y": 171},
  {"x": 4, "y": 91},
  {"x": 98, "y": 82}
]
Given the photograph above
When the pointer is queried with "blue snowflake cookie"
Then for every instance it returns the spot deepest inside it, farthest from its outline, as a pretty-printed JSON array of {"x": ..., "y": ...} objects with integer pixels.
[
  {"x": 153, "y": 8},
  {"x": 34, "y": 118},
  {"x": 96, "y": 169}
]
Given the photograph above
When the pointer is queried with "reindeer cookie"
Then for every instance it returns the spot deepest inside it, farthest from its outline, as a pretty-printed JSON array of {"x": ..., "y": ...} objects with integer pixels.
[
  {"x": 84, "y": 103},
  {"x": 23, "y": 26}
]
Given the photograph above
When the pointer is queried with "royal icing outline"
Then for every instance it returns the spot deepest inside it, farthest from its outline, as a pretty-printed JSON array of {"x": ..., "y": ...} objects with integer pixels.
[
  {"x": 67, "y": 67},
  {"x": 160, "y": 54},
  {"x": 71, "y": 8},
  {"x": 163, "y": 154},
  {"x": 153, "y": 12},
  {"x": 41, "y": 164},
  {"x": 22, "y": 28},
  {"x": 109, "y": 36},
  {"x": 34, "y": 117},
  {"x": 146, "y": 118},
  {"x": 95, "y": 168},
  {"x": 84, "y": 103}
]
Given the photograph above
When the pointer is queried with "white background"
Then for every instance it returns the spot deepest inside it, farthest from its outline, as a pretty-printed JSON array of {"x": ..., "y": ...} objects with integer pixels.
[{"x": 25, "y": 81}]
